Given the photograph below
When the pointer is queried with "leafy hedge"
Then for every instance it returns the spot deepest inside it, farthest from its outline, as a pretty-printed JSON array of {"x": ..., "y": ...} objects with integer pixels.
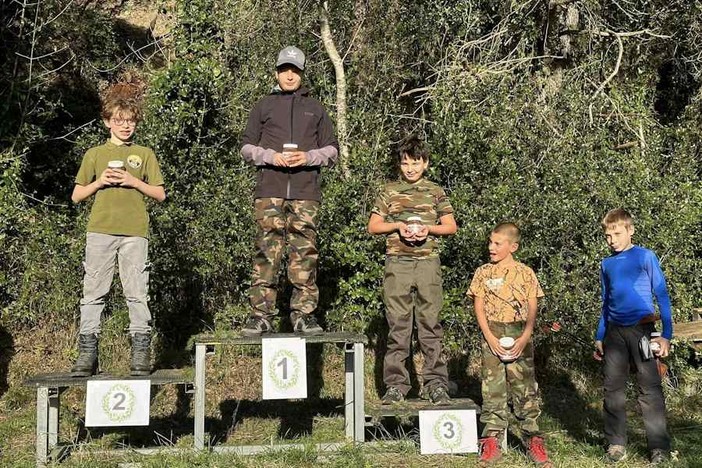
[{"x": 511, "y": 135}]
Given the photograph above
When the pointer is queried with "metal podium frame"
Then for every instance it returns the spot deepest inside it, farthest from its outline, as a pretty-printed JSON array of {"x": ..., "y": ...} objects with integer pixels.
[
  {"x": 51, "y": 386},
  {"x": 354, "y": 410}
]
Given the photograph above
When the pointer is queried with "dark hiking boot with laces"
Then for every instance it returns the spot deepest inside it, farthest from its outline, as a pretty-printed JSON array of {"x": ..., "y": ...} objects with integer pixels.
[
  {"x": 86, "y": 363},
  {"x": 255, "y": 326},
  {"x": 141, "y": 354},
  {"x": 307, "y": 325},
  {"x": 392, "y": 395},
  {"x": 439, "y": 396}
]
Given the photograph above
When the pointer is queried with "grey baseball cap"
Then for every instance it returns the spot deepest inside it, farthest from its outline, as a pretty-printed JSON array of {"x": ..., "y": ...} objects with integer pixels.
[{"x": 291, "y": 55}]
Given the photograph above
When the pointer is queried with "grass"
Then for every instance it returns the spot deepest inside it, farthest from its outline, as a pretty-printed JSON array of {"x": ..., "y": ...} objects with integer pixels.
[{"x": 235, "y": 416}]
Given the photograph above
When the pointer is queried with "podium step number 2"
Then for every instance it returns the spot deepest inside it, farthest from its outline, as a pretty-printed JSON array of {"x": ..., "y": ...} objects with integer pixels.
[
  {"x": 284, "y": 368},
  {"x": 117, "y": 403},
  {"x": 448, "y": 431}
]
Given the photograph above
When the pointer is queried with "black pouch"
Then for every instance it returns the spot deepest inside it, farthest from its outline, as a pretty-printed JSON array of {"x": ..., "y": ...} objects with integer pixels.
[{"x": 645, "y": 348}]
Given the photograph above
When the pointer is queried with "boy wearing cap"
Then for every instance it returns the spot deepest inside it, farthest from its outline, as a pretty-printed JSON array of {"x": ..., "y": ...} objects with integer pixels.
[
  {"x": 287, "y": 194},
  {"x": 413, "y": 212},
  {"x": 630, "y": 277},
  {"x": 505, "y": 295}
]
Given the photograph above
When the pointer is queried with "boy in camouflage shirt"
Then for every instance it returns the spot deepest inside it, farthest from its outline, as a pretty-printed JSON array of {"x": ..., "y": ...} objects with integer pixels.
[
  {"x": 413, "y": 212},
  {"x": 505, "y": 294}
]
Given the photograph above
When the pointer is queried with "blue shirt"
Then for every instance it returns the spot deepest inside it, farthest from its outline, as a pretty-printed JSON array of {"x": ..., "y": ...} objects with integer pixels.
[{"x": 630, "y": 279}]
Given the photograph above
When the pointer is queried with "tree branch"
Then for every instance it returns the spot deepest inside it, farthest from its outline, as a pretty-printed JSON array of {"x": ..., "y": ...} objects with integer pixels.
[{"x": 341, "y": 121}]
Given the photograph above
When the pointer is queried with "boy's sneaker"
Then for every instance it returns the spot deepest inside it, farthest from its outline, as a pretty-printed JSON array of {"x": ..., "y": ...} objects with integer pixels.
[
  {"x": 255, "y": 326},
  {"x": 308, "y": 325},
  {"x": 536, "y": 450},
  {"x": 489, "y": 450},
  {"x": 615, "y": 453},
  {"x": 392, "y": 395},
  {"x": 439, "y": 396},
  {"x": 659, "y": 456}
]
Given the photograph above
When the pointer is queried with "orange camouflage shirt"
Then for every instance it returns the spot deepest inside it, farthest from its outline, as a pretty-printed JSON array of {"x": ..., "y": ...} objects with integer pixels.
[{"x": 506, "y": 290}]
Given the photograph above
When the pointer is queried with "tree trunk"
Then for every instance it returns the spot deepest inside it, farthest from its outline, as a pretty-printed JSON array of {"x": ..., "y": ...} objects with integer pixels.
[{"x": 341, "y": 122}]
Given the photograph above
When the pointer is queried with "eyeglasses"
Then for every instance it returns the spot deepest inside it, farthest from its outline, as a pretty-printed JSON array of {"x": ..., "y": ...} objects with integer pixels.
[{"x": 119, "y": 122}]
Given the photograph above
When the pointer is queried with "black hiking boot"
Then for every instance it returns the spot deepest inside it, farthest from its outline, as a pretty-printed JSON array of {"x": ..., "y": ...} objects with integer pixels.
[
  {"x": 307, "y": 324},
  {"x": 255, "y": 326},
  {"x": 392, "y": 395},
  {"x": 141, "y": 354},
  {"x": 86, "y": 363}
]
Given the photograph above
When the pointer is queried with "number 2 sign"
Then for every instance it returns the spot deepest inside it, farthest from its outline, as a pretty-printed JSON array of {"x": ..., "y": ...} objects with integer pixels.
[
  {"x": 448, "y": 431},
  {"x": 117, "y": 403},
  {"x": 284, "y": 368}
]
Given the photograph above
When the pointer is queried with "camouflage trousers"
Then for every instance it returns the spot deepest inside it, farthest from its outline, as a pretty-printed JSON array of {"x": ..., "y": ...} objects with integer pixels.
[
  {"x": 281, "y": 222},
  {"x": 501, "y": 380}
]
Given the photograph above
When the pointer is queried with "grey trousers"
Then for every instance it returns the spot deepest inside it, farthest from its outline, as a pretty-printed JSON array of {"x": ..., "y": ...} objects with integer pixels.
[
  {"x": 100, "y": 253},
  {"x": 413, "y": 293}
]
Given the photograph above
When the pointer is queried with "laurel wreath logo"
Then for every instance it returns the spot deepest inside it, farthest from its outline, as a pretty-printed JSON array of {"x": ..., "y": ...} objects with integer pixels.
[
  {"x": 128, "y": 401},
  {"x": 452, "y": 427},
  {"x": 293, "y": 373}
]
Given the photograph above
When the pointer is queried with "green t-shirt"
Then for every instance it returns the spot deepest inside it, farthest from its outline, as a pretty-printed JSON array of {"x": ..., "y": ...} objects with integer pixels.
[
  {"x": 119, "y": 211},
  {"x": 398, "y": 201}
]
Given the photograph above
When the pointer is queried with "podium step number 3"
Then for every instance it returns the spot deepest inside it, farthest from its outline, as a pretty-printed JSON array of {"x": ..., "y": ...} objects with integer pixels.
[
  {"x": 448, "y": 431},
  {"x": 117, "y": 403},
  {"x": 284, "y": 368}
]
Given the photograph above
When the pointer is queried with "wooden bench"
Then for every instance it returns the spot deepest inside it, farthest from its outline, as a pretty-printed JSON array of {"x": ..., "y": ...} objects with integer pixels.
[{"x": 690, "y": 331}]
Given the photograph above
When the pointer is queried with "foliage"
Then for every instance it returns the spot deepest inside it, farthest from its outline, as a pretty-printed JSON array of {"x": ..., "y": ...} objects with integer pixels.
[{"x": 519, "y": 130}]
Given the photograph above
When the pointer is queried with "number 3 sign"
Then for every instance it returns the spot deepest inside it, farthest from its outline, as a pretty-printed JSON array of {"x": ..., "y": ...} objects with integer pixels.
[
  {"x": 448, "y": 431},
  {"x": 117, "y": 403},
  {"x": 284, "y": 368}
]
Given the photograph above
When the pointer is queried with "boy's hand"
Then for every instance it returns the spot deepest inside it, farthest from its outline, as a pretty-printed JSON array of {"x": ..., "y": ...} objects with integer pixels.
[
  {"x": 599, "y": 351},
  {"x": 518, "y": 348},
  {"x": 297, "y": 158},
  {"x": 422, "y": 233},
  {"x": 495, "y": 347},
  {"x": 125, "y": 179},
  {"x": 665, "y": 346},
  {"x": 405, "y": 232},
  {"x": 108, "y": 178},
  {"x": 280, "y": 160}
]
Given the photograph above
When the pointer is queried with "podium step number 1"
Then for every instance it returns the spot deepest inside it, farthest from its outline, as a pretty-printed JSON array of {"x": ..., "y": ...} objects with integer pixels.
[
  {"x": 117, "y": 403},
  {"x": 448, "y": 431},
  {"x": 284, "y": 368}
]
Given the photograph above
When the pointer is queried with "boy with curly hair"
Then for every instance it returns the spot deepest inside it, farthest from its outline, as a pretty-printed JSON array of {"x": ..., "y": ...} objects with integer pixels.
[{"x": 119, "y": 174}]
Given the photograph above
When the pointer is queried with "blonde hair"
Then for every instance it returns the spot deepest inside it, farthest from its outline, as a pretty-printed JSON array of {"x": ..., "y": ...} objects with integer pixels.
[
  {"x": 510, "y": 230},
  {"x": 617, "y": 216}
]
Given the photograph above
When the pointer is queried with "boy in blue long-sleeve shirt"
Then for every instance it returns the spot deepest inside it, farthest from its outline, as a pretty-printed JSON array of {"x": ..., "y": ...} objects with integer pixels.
[{"x": 630, "y": 278}]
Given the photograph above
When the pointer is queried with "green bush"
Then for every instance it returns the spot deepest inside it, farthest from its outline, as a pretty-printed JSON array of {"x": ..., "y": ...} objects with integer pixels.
[{"x": 507, "y": 118}]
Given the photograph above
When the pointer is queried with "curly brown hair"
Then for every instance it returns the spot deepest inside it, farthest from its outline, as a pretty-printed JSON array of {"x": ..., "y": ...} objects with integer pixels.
[{"x": 124, "y": 99}]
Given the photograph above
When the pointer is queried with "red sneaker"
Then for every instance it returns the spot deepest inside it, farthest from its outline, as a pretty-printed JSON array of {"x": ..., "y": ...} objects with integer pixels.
[
  {"x": 489, "y": 450},
  {"x": 537, "y": 451}
]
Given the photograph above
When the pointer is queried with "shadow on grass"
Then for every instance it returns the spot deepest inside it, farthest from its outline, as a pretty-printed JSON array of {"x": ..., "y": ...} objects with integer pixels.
[
  {"x": 564, "y": 403},
  {"x": 296, "y": 417}
]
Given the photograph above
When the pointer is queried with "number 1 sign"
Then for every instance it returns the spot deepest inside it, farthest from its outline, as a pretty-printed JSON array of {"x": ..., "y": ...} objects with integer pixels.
[
  {"x": 117, "y": 403},
  {"x": 448, "y": 431},
  {"x": 284, "y": 368}
]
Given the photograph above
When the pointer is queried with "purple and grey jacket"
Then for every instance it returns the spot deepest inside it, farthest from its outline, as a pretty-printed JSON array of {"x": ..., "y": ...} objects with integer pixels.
[{"x": 289, "y": 117}]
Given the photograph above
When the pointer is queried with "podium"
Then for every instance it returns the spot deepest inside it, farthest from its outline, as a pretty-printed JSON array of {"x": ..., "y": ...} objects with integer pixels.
[
  {"x": 49, "y": 389},
  {"x": 354, "y": 416}
]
